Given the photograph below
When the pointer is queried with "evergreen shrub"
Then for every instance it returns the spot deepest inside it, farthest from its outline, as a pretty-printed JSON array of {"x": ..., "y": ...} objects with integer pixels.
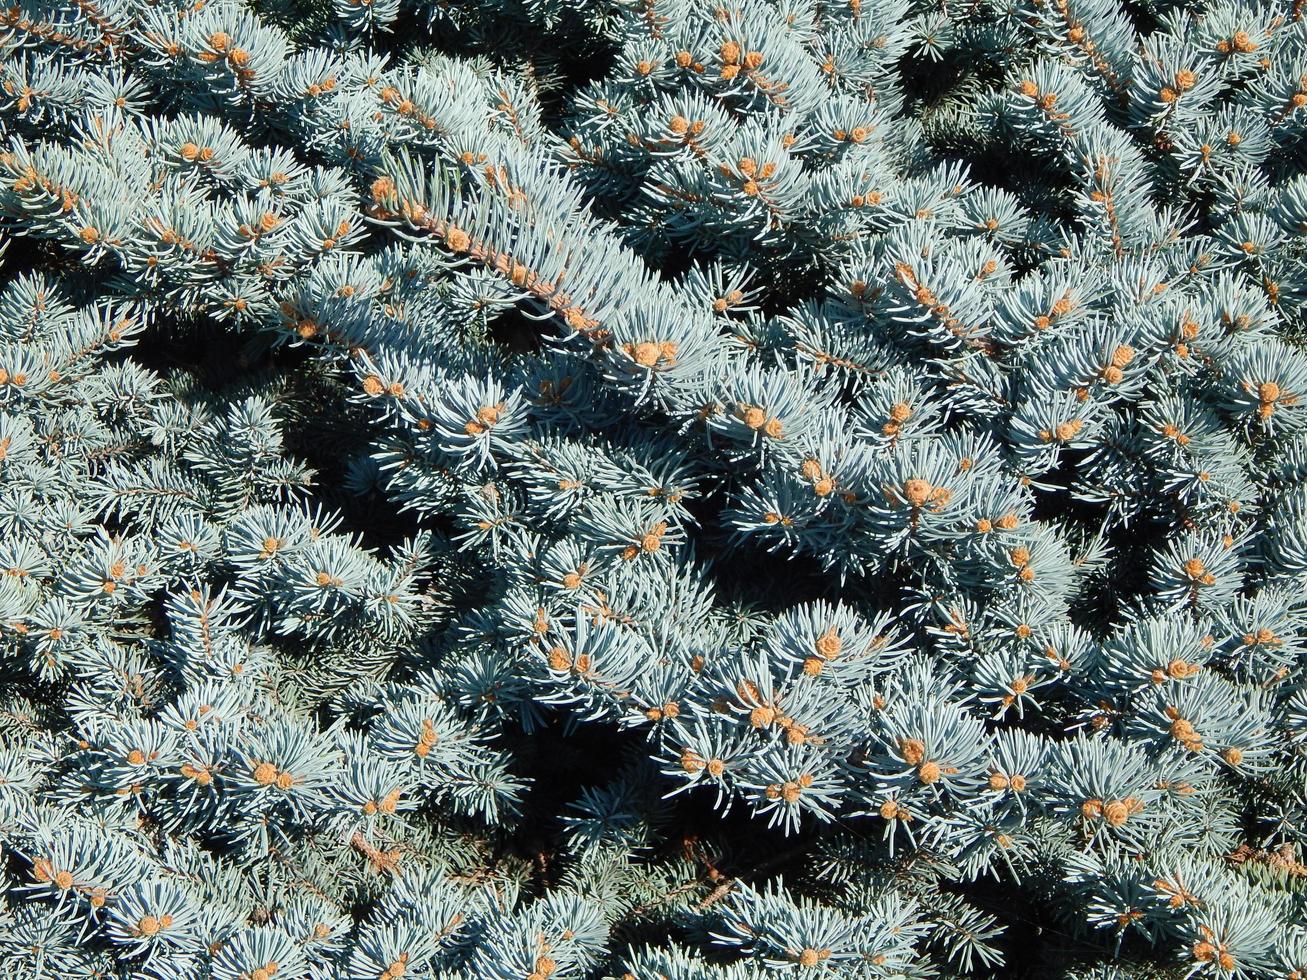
[{"x": 655, "y": 489}]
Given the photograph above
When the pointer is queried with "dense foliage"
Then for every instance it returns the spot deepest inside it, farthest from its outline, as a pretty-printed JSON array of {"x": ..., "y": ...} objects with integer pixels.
[{"x": 524, "y": 489}]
